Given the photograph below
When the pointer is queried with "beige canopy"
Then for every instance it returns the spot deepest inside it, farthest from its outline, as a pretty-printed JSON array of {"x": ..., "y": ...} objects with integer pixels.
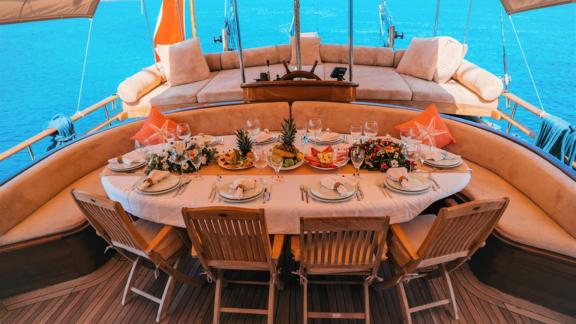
[
  {"x": 17, "y": 11},
  {"x": 514, "y": 6}
]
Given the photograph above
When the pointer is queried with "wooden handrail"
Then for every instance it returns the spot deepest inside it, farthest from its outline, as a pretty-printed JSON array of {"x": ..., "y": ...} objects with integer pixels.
[
  {"x": 51, "y": 131},
  {"x": 525, "y": 104},
  {"x": 510, "y": 97}
]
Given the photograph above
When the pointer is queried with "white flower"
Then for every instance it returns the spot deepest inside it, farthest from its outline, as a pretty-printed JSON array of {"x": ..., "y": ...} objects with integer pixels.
[
  {"x": 184, "y": 165},
  {"x": 396, "y": 155},
  {"x": 204, "y": 159},
  {"x": 394, "y": 163}
]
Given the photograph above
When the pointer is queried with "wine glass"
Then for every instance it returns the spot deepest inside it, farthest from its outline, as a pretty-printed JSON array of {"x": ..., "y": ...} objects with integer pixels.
[
  {"x": 197, "y": 162},
  {"x": 276, "y": 162},
  {"x": 253, "y": 126},
  {"x": 183, "y": 132},
  {"x": 355, "y": 132},
  {"x": 371, "y": 128},
  {"x": 357, "y": 156},
  {"x": 260, "y": 162},
  {"x": 315, "y": 126}
]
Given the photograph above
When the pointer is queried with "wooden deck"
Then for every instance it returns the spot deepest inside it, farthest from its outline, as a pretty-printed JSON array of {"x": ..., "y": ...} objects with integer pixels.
[{"x": 96, "y": 298}]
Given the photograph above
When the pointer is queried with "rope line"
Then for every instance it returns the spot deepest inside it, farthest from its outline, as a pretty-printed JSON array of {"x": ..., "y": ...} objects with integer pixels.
[
  {"x": 467, "y": 21},
  {"x": 526, "y": 63},
  {"x": 436, "y": 18},
  {"x": 84, "y": 64}
]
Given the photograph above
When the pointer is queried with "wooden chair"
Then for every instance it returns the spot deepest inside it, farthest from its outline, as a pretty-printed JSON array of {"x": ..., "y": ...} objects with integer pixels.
[
  {"x": 229, "y": 238},
  {"x": 340, "y": 246},
  {"x": 136, "y": 240},
  {"x": 430, "y": 245}
]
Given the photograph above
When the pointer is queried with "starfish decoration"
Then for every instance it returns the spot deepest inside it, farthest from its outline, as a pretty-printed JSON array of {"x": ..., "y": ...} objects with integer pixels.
[
  {"x": 160, "y": 131},
  {"x": 429, "y": 132}
]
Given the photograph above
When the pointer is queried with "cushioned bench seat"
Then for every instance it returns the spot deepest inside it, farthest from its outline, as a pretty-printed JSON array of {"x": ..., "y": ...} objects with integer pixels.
[
  {"x": 523, "y": 222},
  {"x": 58, "y": 215},
  {"x": 375, "y": 82}
]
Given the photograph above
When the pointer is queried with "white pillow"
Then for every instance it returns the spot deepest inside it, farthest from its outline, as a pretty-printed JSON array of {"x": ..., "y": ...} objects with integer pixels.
[
  {"x": 136, "y": 86},
  {"x": 183, "y": 62},
  {"x": 309, "y": 50},
  {"x": 420, "y": 59},
  {"x": 483, "y": 83},
  {"x": 450, "y": 55}
]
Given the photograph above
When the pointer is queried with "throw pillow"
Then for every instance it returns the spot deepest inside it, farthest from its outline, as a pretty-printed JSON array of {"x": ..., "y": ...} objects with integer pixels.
[
  {"x": 450, "y": 55},
  {"x": 156, "y": 120},
  {"x": 429, "y": 127},
  {"x": 136, "y": 86},
  {"x": 309, "y": 50},
  {"x": 183, "y": 62},
  {"x": 420, "y": 59}
]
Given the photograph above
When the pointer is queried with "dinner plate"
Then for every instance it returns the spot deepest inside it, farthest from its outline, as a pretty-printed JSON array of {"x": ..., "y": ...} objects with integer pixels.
[
  {"x": 226, "y": 192},
  {"x": 229, "y": 167},
  {"x": 320, "y": 142},
  {"x": 319, "y": 191},
  {"x": 164, "y": 186},
  {"x": 423, "y": 187},
  {"x": 449, "y": 163},
  {"x": 270, "y": 140},
  {"x": 338, "y": 166},
  {"x": 204, "y": 139},
  {"x": 123, "y": 167}
]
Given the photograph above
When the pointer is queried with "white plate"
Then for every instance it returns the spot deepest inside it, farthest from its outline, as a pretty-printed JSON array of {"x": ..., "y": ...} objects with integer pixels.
[
  {"x": 338, "y": 166},
  {"x": 450, "y": 163},
  {"x": 236, "y": 201},
  {"x": 201, "y": 139},
  {"x": 229, "y": 167},
  {"x": 425, "y": 184},
  {"x": 406, "y": 192},
  {"x": 227, "y": 193},
  {"x": 272, "y": 139},
  {"x": 122, "y": 167},
  {"x": 166, "y": 185},
  {"x": 321, "y": 192},
  {"x": 318, "y": 142}
]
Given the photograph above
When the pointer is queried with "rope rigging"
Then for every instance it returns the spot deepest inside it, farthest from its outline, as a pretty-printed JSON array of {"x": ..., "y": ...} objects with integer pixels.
[{"x": 84, "y": 65}]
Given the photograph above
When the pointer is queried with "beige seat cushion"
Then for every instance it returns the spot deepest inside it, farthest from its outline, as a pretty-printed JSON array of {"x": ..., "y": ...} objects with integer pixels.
[
  {"x": 375, "y": 82},
  {"x": 134, "y": 87},
  {"x": 483, "y": 83},
  {"x": 58, "y": 215},
  {"x": 420, "y": 59},
  {"x": 418, "y": 228},
  {"x": 523, "y": 221},
  {"x": 183, "y": 62},
  {"x": 450, "y": 55},
  {"x": 181, "y": 94},
  {"x": 168, "y": 247},
  {"x": 309, "y": 50}
]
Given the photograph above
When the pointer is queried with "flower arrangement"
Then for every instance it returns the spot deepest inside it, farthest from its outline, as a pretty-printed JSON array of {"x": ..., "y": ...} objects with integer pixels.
[
  {"x": 382, "y": 154},
  {"x": 177, "y": 157}
]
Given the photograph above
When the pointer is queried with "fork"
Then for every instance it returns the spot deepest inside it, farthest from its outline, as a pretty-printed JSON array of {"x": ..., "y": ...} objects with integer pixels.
[
  {"x": 182, "y": 187},
  {"x": 302, "y": 192}
]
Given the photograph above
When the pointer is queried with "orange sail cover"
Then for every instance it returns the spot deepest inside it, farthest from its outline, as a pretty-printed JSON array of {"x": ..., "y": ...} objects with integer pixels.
[{"x": 170, "y": 25}]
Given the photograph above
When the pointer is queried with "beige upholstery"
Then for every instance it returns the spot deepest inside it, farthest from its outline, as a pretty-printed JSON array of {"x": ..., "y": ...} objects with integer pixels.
[
  {"x": 420, "y": 59},
  {"x": 481, "y": 82},
  {"x": 398, "y": 56},
  {"x": 523, "y": 221},
  {"x": 417, "y": 229},
  {"x": 309, "y": 50},
  {"x": 252, "y": 57},
  {"x": 134, "y": 87},
  {"x": 213, "y": 61},
  {"x": 58, "y": 215},
  {"x": 450, "y": 55},
  {"x": 363, "y": 55},
  {"x": 167, "y": 247},
  {"x": 183, "y": 62},
  {"x": 374, "y": 82}
]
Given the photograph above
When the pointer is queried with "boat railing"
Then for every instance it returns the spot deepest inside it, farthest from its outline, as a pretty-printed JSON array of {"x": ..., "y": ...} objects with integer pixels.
[
  {"x": 108, "y": 105},
  {"x": 512, "y": 102}
]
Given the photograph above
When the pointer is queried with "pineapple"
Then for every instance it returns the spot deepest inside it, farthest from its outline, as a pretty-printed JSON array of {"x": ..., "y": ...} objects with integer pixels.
[
  {"x": 244, "y": 143},
  {"x": 287, "y": 150}
]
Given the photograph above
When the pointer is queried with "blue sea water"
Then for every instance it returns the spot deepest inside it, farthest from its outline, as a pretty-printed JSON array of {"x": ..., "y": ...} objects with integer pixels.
[{"x": 41, "y": 62}]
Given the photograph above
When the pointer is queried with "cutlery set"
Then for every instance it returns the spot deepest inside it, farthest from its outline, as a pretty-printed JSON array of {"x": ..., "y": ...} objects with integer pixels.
[
  {"x": 182, "y": 187},
  {"x": 304, "y": 193}
]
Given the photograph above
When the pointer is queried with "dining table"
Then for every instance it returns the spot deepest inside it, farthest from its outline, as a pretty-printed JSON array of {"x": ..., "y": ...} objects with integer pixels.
[{"x": 286, "y": 203}]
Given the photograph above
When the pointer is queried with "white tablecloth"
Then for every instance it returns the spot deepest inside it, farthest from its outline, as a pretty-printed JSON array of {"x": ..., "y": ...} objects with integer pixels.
[{"x": 285, "y": 208}]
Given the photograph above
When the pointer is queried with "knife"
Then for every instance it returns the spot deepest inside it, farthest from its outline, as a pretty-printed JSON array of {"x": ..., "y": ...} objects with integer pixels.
[{"x": 264, "y": 195}]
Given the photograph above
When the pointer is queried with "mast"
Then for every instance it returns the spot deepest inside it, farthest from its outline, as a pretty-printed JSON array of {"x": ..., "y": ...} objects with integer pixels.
[
  {"x": 350, "y": 38},
  {"x": 297, "y": 34},
  {"x": 193, "y": 19}
]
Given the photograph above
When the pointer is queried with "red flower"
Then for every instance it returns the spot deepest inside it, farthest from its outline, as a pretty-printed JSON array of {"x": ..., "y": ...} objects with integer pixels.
[{"x": 383, "y": 167}]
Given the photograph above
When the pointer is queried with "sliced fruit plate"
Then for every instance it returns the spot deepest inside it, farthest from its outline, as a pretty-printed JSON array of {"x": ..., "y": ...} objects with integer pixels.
[
  {"x": 233, "y": 160},
  {"x": 327, "y": 159}
]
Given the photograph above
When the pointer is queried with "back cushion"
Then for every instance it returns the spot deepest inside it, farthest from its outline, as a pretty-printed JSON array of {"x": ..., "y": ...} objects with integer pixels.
[
  {"x": 213, "y": 60},
  {"x": 253, "y": 57},
  {"x": 363, "y": 55}
]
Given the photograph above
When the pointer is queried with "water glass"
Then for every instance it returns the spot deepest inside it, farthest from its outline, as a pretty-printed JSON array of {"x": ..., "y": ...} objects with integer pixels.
[
  {"x": 253, "y": 126},
  {"x": 260, "y": 162},
  {"x": 276, "y": 162},
  {"x": 197, "y": 162},
  {"x": 315, "y": 126},
  {"x": 371, "y": 128},
  {"x": 357, "y": 156},
  {"x": 355, "y": 132},
  {"x": 183, "y": 132}
]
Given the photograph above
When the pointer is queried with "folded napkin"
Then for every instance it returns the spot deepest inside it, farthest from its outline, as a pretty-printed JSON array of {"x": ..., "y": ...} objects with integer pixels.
[
  {"x": 155, "y": 177},
  {"x": 263, "y": 136},
  {"x": 438, "y": 155},
  {"x": 242, "y": 185},
  {"x": 328, "y": 137},
  {"x": 396, "y": 173},
  {"x": 335, "y": 183},
  {"x": 129, "y": 158}
]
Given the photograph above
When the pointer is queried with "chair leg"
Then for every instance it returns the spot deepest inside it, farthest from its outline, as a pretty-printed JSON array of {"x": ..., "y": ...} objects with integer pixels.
[
  {"x": 217, "y": 296},
  {"x": 305, "y": 301},
  {"x": 367, "y": 301},
  {"x": 131, "y": 277},
  {"x": 167, "y": 294},
  {"x": 453, "y": 307},
  {"x": 271, "y": 299},
  {"x": 404, "y": 303}
]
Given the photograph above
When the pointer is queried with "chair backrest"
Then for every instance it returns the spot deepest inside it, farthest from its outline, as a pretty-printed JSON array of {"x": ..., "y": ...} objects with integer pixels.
[
  {"x": 347, "y": 244},
  {"x": 460, "y": 230},
  {"x": 229, "y": 237},
  {"x": 110, "y": 221}
]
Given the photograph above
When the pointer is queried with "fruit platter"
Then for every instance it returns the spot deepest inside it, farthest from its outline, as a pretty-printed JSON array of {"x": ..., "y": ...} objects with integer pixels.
[
  {"x": 286, "y": 150},
  {"x": 240, "y": 158},
  {"x": 327, "y": 159}
]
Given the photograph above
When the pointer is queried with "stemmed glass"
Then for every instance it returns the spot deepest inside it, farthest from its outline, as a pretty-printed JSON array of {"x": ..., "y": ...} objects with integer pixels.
[
  {"x": 357, "y": 156},
  {"x": 355, "y": 132},
  {"x": 260, "y": 162},
  {"x": 183, "y": 132},
  {"x": 371, "y": 128},
  {"x": 197, "y": 162},
  {"x": 276, "y": 162},
  {"x": 253, "y": 126},
  {"x": 315, "y": 126}
]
